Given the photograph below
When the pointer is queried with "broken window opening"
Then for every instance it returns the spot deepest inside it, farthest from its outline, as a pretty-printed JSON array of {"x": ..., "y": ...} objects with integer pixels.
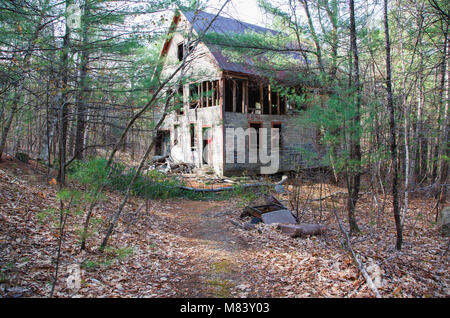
[
  {"x": 282, "y": 105},
  {"x": 254, "y": 105},
  {"x": 203, "y": 94},
  {"x": 209, "y": 93},
  {"x": 176, "y": 134},
  {"x": 239, "y": 95},
  {"x": 207, "y": 145},
  {"x": 228, "y": 95},
  {"x": 193, "y": 95},
  {"x": 235, "y": 96},
  {"x": 162, "y": 143},
  {"x": 178, "y": 103},
  {"x": 181, "y": 48},
  {"x": 274, "y": 101},
  {"x": 192, "y": 133},
  {"x": 180, "y": 51},
  {"x": 280, "y": 140},
  {"x": 266, "y": 109},
  {"x": 215, "y": 93},
  {"x": 257, "y": 127}
]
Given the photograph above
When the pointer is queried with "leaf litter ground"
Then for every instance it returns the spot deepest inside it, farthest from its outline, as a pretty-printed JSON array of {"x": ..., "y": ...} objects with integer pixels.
[{"x": 183, "y": 248}]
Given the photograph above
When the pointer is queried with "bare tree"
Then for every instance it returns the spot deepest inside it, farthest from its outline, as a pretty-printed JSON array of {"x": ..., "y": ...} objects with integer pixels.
[{"x": 393, "y": 140}]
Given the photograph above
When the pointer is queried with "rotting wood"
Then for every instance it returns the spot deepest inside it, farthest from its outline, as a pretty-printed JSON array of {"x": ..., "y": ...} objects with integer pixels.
[
  {"x": 302, "y": 230},
  {"x": 234, "y": 96},
  {"x": 244, "y": 96},
  {"x": 261, "y": 97},
  {"x": 270, "y": 98},
  {"x": 258, "y": 211},
  {"x": 278, "y": 103}
]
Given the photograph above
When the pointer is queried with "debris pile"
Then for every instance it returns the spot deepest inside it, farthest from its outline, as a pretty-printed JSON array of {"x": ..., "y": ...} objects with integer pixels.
[
  {"x": 274, "y": 212},
  {"x": 166, "y": 164}
]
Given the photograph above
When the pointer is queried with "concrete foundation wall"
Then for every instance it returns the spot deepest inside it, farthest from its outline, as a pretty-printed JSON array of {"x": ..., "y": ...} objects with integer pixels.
[{"x": 293, "y": 138}]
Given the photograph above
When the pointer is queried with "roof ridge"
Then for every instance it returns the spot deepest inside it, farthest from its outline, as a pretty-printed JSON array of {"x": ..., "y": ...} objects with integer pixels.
[{"x": 254, "y": 26}]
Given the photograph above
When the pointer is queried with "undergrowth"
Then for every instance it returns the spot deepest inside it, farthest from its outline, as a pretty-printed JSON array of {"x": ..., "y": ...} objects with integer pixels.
[{"x": 151, "y": 185}]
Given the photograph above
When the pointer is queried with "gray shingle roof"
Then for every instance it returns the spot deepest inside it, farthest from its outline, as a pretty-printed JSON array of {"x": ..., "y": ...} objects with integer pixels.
[
  {"x": 201, "y": 20},
  {"x": 222, "y": 25}
]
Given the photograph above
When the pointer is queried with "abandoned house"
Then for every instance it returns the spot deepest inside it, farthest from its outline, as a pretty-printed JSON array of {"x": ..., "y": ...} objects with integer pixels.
[{"x": 222, "y": 94}]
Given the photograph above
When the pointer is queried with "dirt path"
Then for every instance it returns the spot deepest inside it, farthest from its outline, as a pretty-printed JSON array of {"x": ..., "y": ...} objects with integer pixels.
[
  {"x": 184, "y": 248},
  {"x": 210, "y": 234}
]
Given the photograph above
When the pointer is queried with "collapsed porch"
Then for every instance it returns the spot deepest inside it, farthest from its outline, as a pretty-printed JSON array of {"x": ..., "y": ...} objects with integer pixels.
[{"x": 232, "y": 100}]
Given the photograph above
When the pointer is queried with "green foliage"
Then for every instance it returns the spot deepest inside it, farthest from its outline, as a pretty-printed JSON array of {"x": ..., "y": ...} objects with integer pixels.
[
  {"x": 90, "y": 265},
  {"x": 107, "y": 259},
  {"x": 44, "y": 215},
  {"x": 120, "y": 253},
  {"x": 151, "y": 185},
  {"x": 246, "y": 196},
  {"x": 91, "y": 172}
]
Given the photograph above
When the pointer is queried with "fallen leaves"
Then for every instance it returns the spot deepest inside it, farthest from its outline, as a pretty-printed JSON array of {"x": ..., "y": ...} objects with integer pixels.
[{"x": 178, "y": 246}]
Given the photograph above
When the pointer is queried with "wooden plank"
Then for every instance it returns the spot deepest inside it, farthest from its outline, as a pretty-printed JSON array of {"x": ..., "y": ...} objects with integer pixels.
[
  {"x": 234, "y": 96},
  {"x": 261, "y": 97},
  {"x": 207, "y": 93},
  {"x": 253, "y": 211},
  {"x": 218, "y": 92},
  {"x": 213, "y": 93},
  {"x": 270, "y": 100},
  {"x": 199, "y": 88},
  {"x": 245, "y": 106},
  {"x": 278, "y": 103},
  {"x": 221, "y": 92}
]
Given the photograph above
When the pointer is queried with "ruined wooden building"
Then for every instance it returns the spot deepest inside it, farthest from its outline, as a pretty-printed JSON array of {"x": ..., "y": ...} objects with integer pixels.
[{"x": 221, "y": 94}]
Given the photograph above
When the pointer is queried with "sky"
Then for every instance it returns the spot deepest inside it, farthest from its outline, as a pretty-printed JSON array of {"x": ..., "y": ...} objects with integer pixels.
[{"x": 243, "y": 10}]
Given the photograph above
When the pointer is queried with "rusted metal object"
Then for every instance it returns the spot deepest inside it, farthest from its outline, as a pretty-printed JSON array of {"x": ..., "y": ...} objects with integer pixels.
[
  {"x": 257, "y": 211},
  {"x": 275, "y": 212},
  {"x": 272, "y": 205}
]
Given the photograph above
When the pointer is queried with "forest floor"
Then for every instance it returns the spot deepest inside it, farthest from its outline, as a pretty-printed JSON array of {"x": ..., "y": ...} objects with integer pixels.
[{"x": 184, "y": 248}]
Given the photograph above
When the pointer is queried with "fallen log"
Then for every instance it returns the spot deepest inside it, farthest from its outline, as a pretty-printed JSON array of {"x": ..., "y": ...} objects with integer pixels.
[{"x": 302, "y": 230}]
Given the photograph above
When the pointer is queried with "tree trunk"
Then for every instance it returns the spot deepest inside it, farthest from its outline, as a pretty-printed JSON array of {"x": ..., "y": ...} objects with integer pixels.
[
  {"x": 393, "y": 140},
  {"x": 81, "y": 97},
  {"x": 314, "y": 35},
  {"x": 354, "y": 179},
  {"x": 63, "y": 110},
  {"x": 444, "y": 148}
]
